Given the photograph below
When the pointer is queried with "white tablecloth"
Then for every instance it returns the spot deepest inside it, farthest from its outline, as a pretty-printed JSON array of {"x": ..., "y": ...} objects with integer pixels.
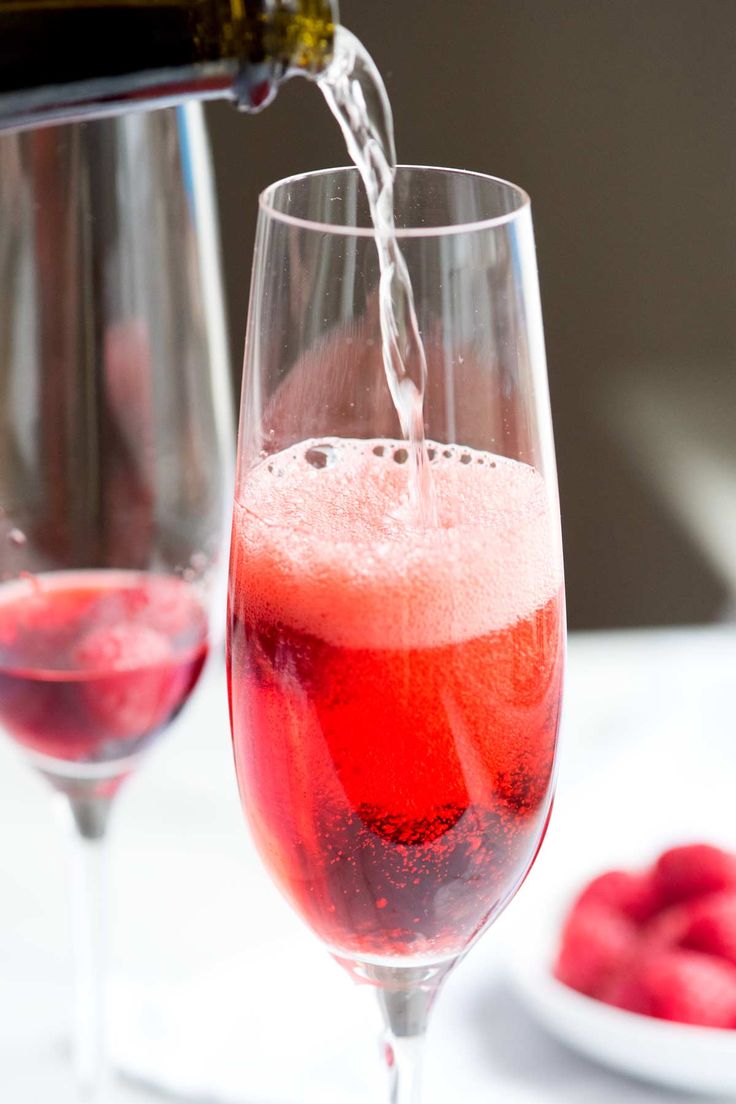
[{"x": 218, "y": 989}]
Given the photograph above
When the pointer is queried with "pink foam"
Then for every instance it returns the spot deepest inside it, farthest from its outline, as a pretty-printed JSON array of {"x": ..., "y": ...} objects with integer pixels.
[{"x": 331, "y": 552}]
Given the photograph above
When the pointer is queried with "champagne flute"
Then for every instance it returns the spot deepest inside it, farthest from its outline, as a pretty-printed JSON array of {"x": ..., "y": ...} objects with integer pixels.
[
  {"x": 115, "y": 443},
  {"x": 395, "y": 686}
]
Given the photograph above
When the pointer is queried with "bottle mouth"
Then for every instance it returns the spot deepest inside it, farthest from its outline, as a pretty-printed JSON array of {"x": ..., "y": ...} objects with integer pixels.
[
  {"x": 255, "y": 86},
  {"x": 288, "y": 43}
]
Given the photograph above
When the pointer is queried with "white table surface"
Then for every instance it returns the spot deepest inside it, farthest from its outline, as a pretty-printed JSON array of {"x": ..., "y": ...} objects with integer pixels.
[{"x": 218, "y": 985}]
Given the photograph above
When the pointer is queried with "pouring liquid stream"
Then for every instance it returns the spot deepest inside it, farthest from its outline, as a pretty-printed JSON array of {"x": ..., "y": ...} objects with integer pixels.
[{"x": 356, "y": 96}]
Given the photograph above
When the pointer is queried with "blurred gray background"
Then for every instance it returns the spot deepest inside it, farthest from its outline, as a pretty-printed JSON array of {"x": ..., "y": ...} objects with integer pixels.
[{"x": 619, "y": 117}]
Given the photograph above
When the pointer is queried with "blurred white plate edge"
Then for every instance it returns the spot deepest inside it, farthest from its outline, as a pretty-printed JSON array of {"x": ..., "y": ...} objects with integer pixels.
[{"x": 694, "y": 1059}]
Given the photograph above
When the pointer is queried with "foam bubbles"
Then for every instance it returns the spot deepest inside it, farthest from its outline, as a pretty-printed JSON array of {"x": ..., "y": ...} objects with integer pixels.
[
  {"x": 17, "y": 538},
  {"x": 330, "y": 547},
  {"x": 322, "y": 455}
]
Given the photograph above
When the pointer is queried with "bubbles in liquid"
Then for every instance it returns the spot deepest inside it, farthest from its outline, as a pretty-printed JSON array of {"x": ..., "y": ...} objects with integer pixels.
[
  {"x": 296, "y": 530},
  {"x": 17, "y": 538},
  {"x": 29, "y": 577},
  {"x": 321, "y": 456},
  {"x": 330, "y": 452}
]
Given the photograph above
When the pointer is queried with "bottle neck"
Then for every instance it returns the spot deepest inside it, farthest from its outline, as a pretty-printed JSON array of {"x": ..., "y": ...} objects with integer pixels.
[
  {"x": 291, "y": 37},
  {"x": 64, "y": 60}
]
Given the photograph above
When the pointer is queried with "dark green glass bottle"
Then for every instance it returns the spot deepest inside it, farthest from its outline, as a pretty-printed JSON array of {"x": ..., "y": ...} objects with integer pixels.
[{"x": 67, "y": 58}]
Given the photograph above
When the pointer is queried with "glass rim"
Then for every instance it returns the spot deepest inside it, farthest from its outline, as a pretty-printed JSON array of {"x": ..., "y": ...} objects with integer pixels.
[{"x": 266, "y": 207}]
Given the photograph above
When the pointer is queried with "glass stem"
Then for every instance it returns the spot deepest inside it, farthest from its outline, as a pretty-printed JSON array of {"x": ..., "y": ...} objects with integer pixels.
[
  {"x": 86, "y": 819},
  {"x": 404, "y": 1057},
  {"x": 406, "y": 996}
]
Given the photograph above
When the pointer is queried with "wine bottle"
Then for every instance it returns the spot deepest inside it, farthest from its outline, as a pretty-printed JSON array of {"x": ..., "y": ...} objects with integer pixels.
[{"x": 69, "y": 58}]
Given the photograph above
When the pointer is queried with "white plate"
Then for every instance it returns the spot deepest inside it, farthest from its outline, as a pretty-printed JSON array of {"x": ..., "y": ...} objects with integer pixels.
[{"x": 693, "y": 1059}]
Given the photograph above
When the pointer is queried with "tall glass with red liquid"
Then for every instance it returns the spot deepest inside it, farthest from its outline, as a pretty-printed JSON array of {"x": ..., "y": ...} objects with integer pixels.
[
  {"x": 395, "y": 684},
  {"x": 115, "y": 446}
]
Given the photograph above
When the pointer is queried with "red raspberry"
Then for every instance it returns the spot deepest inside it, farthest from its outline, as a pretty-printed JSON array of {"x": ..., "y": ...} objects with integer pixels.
[
  {"x": 667, "y": 928},
  {"x": 711, "y": 927},
  {"x": 596, "y": 944},
  {"x": 625, "y": 990},
  {"x": 170, "y": 606},
  {"x": 689, "y": 987},
  {"x": 8, "y": 631},
  {"x": 692, "y": 871},
  {"x": 122, "y": 647},
  {"x": 631, "y": 893},
  {"x": 133, "y": 687}
]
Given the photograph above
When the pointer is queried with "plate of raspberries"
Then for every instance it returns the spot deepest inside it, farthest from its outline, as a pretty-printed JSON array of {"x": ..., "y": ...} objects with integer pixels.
[{"x": 641, "y": 974}]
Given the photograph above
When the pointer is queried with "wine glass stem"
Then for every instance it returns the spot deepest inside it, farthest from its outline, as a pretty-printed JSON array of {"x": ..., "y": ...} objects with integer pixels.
[
  {"x": 406, "y": 996},
  {"x": 404, "y": 1056},
  {"x": 86, "y": 823}
]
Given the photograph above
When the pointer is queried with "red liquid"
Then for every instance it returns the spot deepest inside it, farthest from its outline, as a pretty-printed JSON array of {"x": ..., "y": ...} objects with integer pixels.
[
  {"x": 395, "y": 693},
  {"x": 93, "y": 663}
]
